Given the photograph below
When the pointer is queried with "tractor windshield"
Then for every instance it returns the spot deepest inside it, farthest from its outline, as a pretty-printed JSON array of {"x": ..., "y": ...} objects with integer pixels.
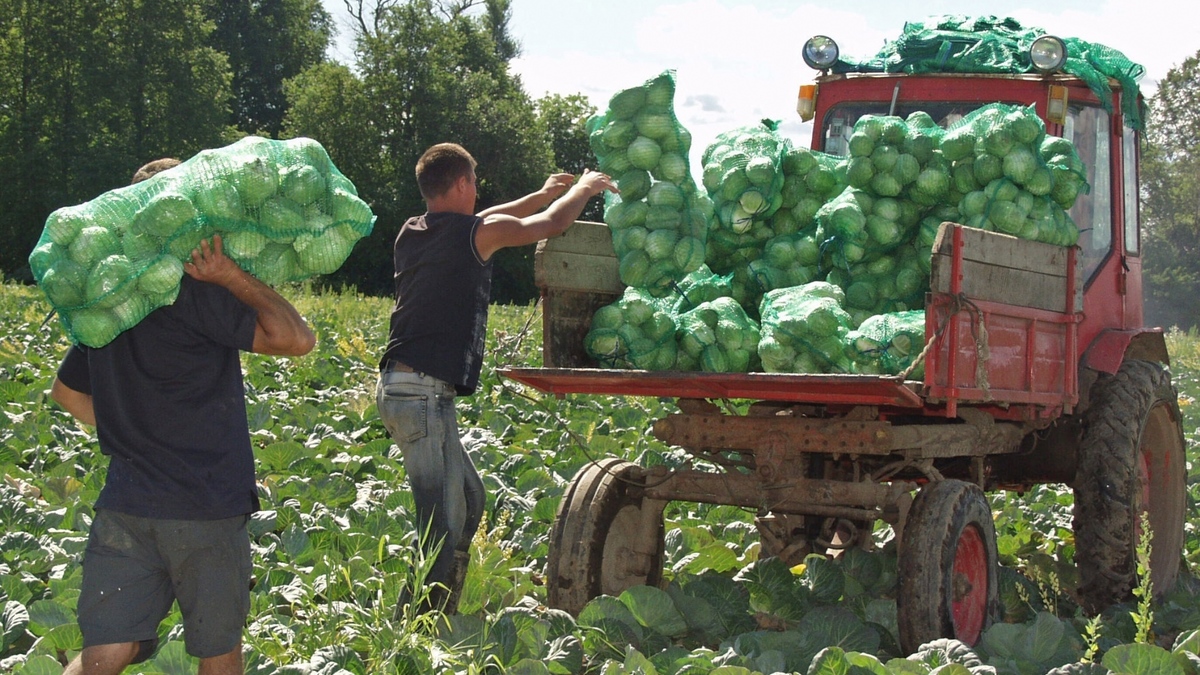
[{"x": 1086, "y": 126}]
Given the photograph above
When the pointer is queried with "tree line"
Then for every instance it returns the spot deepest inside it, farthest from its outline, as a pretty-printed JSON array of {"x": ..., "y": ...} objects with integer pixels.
[{"x": 92, "y": 89}]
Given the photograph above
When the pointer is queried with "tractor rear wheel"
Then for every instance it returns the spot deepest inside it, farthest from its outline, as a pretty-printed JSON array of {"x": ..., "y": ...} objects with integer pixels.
[
  {"x": 606, "y": 537},
  {"x": 948, "y": 568},
  {"x": 1131, "y": 462}
]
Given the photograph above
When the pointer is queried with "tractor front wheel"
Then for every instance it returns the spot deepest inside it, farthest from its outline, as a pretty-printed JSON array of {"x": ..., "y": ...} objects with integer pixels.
[{"x": 948, "y": 568}]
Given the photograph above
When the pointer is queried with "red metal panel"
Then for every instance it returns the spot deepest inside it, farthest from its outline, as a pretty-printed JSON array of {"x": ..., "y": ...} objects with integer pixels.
[
  {"x": 1108, "y": 350},
  {"x": 1028, "y": 359}
]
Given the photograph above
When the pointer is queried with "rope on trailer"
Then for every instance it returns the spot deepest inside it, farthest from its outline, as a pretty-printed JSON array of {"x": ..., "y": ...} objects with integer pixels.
[{"x": 978, "y": 331}]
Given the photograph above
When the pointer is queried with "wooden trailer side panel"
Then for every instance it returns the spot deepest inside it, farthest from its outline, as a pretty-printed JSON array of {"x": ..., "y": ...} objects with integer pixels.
[{"x": 577, "y": 272}]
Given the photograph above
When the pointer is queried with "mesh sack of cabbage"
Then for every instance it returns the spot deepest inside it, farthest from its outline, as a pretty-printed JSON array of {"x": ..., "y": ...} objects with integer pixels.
[
  {"x": 717, "y": 337},
  {"x": 803, "y": 330},
  {"x": 1011, "y": 176},
  {"x": 857, "y": 226},
  {"x": 635, "y": 332},
  {"x": 809, "y": 180},
  {"x": 660, "y": 219},
  {"x": 896, "y": 173},
  {"x": 284, "y": 211},
  {"x": 893, "y": 282},
  {"x": 700, "y": 287},
  {"x": 887, "y": 344},
  {"x": 743, "y": 174},
  {"x": 787, "y": 260}
]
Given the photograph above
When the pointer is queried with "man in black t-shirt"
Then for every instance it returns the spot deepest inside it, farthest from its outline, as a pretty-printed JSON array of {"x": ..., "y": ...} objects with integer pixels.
[
  {"x": 443, "y": 276},
  {"x": 168, "y": 403}
]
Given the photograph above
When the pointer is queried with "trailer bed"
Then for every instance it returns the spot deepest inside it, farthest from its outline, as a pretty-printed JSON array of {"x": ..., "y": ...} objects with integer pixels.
[{"x": 784, "y": 387}]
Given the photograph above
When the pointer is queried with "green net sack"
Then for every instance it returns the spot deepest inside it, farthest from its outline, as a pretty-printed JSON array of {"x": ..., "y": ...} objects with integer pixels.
[
  {"x": 761, "y": 187},
  {"x": 893, "y": 282},
  {"x": 962, "y": 44},
  {"x": 717, "y": 337},
  {"x": 659, "y": 219},
  {"x": 635, "y": 332},
  {"x": 284, "y": 211},
  {"x": 1017, "y": 174},
  {"x": 810, "y": 179},
  {"x": 896, "y": 173},
  {"x": 887, "y": 344},
  {"x": 787, "y": 260},
  {"x": 700, "y": 287},
  {"x": 743, "y": 174},
  {"x": 803, "y": 330}
]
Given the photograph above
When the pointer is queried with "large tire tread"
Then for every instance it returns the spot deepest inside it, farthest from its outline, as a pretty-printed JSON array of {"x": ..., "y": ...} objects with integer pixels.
[{"x": 1107, "y": 481}]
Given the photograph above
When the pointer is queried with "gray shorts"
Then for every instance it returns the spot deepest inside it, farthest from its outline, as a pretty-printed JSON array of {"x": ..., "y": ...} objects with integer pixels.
[{"x": 135, "y": 568}]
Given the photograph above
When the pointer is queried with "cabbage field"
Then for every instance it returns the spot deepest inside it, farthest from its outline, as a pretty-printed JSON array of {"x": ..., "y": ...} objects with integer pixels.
[{"x": 334, "y": 546}]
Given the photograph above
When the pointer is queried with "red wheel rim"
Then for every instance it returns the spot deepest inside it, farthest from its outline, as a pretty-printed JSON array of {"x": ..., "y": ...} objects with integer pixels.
[
  {"x": 969, "y": 586},
  {"x": 1145, "y": 477}
]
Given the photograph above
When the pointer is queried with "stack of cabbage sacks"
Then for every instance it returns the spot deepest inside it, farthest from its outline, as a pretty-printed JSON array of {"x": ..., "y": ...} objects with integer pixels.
[
  {"x": 635, "y": 332},
  {"x": 284, "y": 211},
  {"x": 1012, "y": 177},
  {"x": 659, "y": 220}
]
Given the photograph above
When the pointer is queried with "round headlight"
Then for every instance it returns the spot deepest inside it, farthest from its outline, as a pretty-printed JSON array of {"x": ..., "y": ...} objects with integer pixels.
[
  {"x": 820, "y": 52},
  {"x": 1048, "y": 54}
]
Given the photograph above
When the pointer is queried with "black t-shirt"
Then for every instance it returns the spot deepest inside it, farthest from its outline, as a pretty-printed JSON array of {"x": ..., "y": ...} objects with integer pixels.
[
  {"x": 171, "y": 410},
  {"x": 442, "y": 292}
]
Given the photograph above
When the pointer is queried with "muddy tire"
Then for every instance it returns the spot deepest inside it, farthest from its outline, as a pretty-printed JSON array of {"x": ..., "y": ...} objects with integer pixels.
[
  {"x": 606, "y": 537},
  {"x": 948, "y": 569},
  {"x": 1131, "y": 460}
]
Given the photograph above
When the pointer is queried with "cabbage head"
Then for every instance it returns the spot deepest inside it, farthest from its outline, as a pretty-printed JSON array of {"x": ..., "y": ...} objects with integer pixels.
[
  {"x": 161, "y": 276},
  {"x": 164, "y": 214}
]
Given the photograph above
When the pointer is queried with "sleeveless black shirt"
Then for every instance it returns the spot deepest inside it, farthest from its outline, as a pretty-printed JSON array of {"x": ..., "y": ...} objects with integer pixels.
[{"x": 442, "y": 291}]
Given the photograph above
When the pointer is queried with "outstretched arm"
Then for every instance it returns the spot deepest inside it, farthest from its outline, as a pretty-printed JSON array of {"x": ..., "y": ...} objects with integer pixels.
[
  {"x": 533, "y": 202},
  {"x": 502, "y": 231},
  {"x": 280, "y": 329}
]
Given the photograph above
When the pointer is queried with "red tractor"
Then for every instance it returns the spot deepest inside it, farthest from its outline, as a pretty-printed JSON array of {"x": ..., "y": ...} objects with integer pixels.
[{"x": 1040, "y": 370}]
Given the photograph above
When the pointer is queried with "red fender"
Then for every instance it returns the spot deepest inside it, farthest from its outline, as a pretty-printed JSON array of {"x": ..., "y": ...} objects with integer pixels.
[{"x": 1113, "y": 346}]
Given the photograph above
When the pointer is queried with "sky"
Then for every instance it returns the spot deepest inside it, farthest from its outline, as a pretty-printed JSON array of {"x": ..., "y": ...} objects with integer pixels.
[{"x": 738, "y": 61}]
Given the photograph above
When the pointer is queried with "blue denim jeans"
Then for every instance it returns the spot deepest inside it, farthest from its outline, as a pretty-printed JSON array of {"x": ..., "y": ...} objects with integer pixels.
[{"x": 418, "y": 411}]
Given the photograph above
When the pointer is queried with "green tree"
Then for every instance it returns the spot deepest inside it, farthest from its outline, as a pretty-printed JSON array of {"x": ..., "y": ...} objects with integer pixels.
[
  {"x": 92, "y": 89},
  {"x": 1171, "y": 199},
  {"x": 268, "y": 42},
  {"x": 428, "y": 72},
  {"x": 565, "y": 121}
]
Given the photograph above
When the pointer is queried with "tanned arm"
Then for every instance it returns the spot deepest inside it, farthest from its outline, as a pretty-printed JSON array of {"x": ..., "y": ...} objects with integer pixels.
[
  {"x": 502, "y": 231},
  {"x": 533, "y": 202},
  {"x": 280, "y": 330}
]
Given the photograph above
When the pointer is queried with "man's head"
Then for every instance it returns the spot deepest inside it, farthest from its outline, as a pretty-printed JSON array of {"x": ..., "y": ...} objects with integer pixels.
[
  {"x": 152, "y": 168},
  {"x": 441, "y": 168}
]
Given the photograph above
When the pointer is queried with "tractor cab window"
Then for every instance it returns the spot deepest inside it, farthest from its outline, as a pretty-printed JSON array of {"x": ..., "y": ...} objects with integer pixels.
[
  {"x": 1088, "y": 128},
  {"x": 1129, "y": 148},
  {"x": 839, "y": 123}
]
